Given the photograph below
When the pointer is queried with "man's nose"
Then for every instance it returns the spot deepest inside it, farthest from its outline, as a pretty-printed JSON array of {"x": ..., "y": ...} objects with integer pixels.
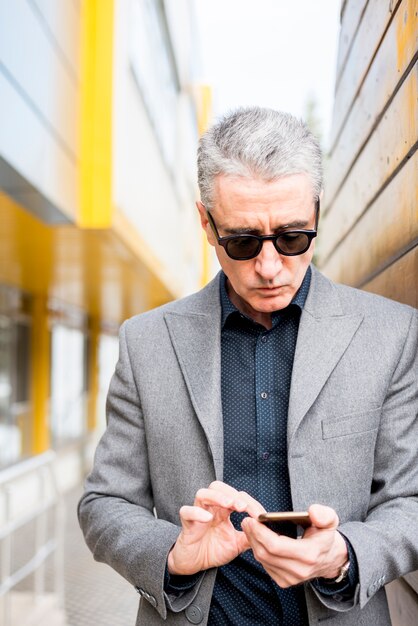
[{"x": 269, "y": 262}]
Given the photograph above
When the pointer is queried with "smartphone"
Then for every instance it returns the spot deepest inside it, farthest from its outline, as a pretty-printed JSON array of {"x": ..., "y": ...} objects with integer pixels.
[{"x": 285, "y": 522}]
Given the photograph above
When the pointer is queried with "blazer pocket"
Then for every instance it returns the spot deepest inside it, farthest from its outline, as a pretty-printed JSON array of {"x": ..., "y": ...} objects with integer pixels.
[{"x": 350, "y": 424}]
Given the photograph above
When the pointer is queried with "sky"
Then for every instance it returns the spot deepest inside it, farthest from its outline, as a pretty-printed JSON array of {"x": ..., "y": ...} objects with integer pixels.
[{"x": 274, "y": 53}]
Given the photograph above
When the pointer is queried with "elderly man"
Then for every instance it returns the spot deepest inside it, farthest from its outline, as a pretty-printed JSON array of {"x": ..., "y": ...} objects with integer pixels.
[{"x": 271, "y": 389}]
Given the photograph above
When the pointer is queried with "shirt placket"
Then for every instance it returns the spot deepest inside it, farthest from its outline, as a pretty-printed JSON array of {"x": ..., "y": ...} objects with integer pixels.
[{"x": 265, "y": 421}]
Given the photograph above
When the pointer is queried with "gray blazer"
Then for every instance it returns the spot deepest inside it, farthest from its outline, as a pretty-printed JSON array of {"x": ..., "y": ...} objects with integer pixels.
[{"x": 352, "y": 443}]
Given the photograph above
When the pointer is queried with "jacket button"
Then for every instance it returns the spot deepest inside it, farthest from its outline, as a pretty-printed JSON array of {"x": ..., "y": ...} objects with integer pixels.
[{"x": 194, "y": 614}]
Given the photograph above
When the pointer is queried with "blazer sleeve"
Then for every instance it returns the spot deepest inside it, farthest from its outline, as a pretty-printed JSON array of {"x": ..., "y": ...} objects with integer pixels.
[
  {"x": 116, "y": 510},
  {"x": 386, "y": 542}
]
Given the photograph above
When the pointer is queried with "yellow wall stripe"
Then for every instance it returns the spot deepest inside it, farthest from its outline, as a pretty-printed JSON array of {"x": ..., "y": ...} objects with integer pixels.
[
  {"x": 204, "y": 116},
  {"x": 204, "y": 107},
  {"x": 40, "y": 380},
  {"x": 97, "y": 23},
  {"x": 93, "y": 376}
]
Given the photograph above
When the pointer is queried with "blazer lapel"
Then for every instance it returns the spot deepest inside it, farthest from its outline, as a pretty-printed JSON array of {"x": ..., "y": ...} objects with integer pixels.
[
  {"x": 195, "y": 335},
  {"x": 325, "y": 332}
]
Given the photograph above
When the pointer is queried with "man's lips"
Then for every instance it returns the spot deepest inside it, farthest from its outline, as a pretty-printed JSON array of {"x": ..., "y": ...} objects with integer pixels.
[{"x": 270, "y": 289}]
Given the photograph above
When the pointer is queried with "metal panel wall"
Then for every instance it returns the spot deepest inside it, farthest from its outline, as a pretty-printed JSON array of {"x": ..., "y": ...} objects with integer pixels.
[{"x": 39, "y": 87}]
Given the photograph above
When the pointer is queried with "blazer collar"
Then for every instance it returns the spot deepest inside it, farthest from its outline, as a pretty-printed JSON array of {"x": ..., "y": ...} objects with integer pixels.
[
  {"x": 195, "y": 330},
  {"x": 325, "y": 331}
]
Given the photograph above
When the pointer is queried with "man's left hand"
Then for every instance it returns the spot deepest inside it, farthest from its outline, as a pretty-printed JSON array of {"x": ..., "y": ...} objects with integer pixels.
[{"x": 321, "y": 552}]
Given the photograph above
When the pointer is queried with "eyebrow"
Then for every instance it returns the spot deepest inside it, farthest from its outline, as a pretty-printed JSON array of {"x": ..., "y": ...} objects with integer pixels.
[{"x": 256, "y": 231}]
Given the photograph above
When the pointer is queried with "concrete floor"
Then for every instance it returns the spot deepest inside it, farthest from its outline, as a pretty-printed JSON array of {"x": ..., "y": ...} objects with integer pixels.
[{"x": 94, "y": 594}]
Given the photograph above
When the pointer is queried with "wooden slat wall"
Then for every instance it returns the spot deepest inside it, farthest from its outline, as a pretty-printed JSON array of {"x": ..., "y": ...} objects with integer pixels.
[
  {"x": 369, "y": 228},
  {"x": 370, "y": 215}
]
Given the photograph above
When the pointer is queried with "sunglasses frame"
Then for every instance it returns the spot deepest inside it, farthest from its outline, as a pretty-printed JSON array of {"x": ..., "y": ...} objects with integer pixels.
[{"x": 223, "y": 241}]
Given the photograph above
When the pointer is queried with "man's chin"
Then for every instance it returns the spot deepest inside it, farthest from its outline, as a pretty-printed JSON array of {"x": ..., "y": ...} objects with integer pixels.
[{"x": 268, "y": 304}]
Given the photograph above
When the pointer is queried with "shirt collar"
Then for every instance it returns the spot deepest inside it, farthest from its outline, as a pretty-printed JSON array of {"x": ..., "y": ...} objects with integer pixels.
[{"x": 299, "y": 298}]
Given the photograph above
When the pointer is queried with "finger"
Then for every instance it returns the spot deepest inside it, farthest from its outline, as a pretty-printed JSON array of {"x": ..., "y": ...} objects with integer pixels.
[
  {"x": 312, "y": 554},
  {"x": 281, "y": 557},
  {"x": 210, "y": 497},
  {"x": 260, "y": 536},
  {"x": 189, "y": 515},
  {"x": 285, "y": 571},
  {"x": 323, "y": 516},
  {"x": 242, "y": 500},
  {"x": 264, "y": 539},
  {"x": 195, "y": 514}
]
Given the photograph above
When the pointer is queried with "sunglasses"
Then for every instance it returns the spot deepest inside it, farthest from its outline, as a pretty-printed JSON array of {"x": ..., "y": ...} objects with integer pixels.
[{"x": 288, "y": 242}]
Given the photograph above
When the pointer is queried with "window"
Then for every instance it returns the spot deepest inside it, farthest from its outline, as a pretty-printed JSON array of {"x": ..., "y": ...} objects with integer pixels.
[
  {"x": 154, "y": 71},
  {"x": 69, "y": 357},
  {"x": 15, "y": 357},
  {"x": 108, "y": 356}
]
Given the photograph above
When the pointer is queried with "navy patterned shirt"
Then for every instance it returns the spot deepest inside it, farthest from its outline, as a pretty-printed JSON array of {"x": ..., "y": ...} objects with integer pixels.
[{"x": 256, "y": 369}]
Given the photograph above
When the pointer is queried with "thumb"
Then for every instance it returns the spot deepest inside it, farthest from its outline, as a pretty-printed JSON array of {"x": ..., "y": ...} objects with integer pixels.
[{"x": 323, "y": 516}]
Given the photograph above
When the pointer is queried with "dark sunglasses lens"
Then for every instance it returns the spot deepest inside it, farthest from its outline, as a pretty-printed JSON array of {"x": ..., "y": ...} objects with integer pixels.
[
  {"x": 293, "y": 243},
  {"x": 243, "y": 247}
]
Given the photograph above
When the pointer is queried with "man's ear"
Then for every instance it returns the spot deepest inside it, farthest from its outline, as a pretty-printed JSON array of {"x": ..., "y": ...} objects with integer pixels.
[
  {"x": 321, "y": 199},
  {"x": 205, "y": 223},
  {"x": 202, "y": 214}
]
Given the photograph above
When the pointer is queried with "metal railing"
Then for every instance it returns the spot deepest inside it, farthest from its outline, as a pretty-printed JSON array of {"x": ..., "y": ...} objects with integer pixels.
[{"x": 47, "y": 502}]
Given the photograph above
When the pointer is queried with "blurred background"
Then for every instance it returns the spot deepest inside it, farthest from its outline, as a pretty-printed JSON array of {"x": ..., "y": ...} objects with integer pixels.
[{"x": 102, "y": 103}]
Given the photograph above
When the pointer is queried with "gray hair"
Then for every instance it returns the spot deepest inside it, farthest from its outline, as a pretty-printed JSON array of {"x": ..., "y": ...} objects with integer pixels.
[{"x": 260, "y": 143}]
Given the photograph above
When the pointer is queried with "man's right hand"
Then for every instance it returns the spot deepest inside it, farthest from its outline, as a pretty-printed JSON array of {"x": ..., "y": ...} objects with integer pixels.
[{"x": 208, "y": 538}]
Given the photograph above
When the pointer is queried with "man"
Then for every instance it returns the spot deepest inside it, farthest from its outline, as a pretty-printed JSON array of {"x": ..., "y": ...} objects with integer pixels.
[{"x": 271, "y": 389}]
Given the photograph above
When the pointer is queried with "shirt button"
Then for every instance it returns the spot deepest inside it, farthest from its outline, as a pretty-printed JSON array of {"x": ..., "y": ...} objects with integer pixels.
[
  {"x": 264, "y": 339},
  {"x": 264, "y": 394},
  {"x": 265, "y": 456}
]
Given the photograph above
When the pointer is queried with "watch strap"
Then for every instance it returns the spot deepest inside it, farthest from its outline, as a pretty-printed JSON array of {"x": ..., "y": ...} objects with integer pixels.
[{"x": 343, "y": 573}]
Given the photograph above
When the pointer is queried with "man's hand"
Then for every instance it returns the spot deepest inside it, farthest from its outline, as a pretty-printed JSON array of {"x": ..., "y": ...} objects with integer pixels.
[
  {"x": 208, "y": 538},
  {"x": 321, "y": 552}
]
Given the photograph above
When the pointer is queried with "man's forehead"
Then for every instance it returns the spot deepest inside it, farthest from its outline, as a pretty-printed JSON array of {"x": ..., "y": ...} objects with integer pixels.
[
  {"x": 230, "y": 189},
  {"x": 239, "y": 223},
  {"x": 250, "y": 203}
]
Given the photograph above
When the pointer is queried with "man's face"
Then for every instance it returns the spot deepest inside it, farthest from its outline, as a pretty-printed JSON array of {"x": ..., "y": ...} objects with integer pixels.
[{"x": 269, "y": 281}]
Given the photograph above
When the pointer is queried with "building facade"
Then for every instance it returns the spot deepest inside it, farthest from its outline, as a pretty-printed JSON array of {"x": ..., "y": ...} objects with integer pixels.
[
  {"x": 100, "y": 116},
  {"x": 98, "y": 132}
]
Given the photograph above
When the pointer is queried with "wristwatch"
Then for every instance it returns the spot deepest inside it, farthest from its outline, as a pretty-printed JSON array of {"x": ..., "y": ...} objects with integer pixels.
[{"x": 343, "y": 573}]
